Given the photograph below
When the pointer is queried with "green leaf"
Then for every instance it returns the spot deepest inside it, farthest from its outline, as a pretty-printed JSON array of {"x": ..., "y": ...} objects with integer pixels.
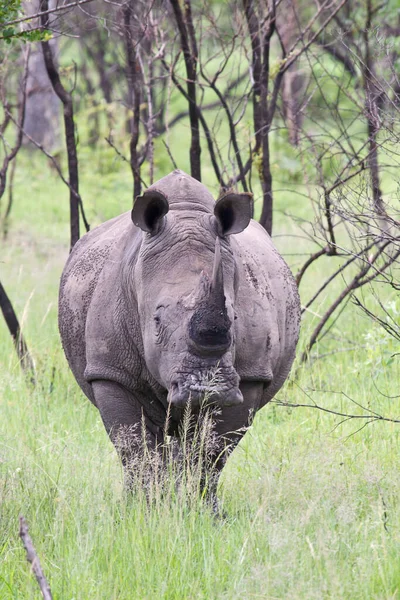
[{"x": 8, "y": 32}]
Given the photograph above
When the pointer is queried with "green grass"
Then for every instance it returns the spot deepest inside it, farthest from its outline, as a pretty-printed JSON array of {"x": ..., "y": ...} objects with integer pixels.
[{"x": 312, "y": 506}]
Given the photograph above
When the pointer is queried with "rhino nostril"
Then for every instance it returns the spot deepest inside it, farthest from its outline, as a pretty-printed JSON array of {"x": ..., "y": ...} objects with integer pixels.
[
  {"x": 213, "y": 337},
  {"x": 210, "y": 345},
  {"x": 210, "y": 327}
]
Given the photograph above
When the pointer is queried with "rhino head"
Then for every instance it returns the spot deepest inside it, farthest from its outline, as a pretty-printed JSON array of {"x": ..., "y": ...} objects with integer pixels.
[{"x": 185, "y": 282}]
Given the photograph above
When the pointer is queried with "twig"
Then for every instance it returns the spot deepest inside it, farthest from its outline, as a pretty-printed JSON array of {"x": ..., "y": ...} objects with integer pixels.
[
  {"x": 122, "y": 157},
  {"x": 335, "y": 274},
  {"x": 10, "y": 197},
  {"x": 295, "y": 55},
  {"x": 169, "y": 154},
  {"x": 369, "y": 417},
  {"x": 33, "y": 558},
  {"x": 213, "y": 85},
  {"x": 385, "y": 515},
  {"x": 114, "y": 147},
  {"x": 8, "y": 116},
  {"x": 393, "y": 331},
  {"x": 309, "y": 262},
  {"x": 206, "y": 129},
  {"x": 46, "y": 12},
  {"x": 334, "y": 51},
  {"x": 358, "y": 281},
  {"x": 210, "y": 106},
  {"x": 58, "y": 169}
]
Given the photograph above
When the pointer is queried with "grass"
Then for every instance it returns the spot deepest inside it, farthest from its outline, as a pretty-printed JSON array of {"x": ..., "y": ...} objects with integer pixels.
[{"x": 312, "y": 506}]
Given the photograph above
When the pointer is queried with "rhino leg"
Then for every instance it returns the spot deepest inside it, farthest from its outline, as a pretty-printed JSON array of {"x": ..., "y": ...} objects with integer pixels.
[
  {"x": 231, "y": 423},
  {"x": 135, "y": 438}
]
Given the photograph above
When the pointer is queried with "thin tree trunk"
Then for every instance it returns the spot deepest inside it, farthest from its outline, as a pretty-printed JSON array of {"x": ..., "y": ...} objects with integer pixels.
[
  {"x": 372, "y": 94},
  {"x": 10, "y": 198},
  {"x": 69, "y": 123},
  {"x": 134, "y": 76},
  {"x": 266, "y": 185},
  {"x": 288, "y": 23},
  {"x": 189, "y": 48},
  {"x": 14, "y": 328},
  {"x": 262, "y": 109}
]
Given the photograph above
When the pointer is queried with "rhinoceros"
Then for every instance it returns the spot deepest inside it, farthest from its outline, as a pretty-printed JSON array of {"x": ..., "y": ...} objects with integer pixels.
[{"x": 181, "y": 299}]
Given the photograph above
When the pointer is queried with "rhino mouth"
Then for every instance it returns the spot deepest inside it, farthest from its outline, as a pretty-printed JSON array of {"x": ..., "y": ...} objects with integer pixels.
[{"x": 213, "y": 386}]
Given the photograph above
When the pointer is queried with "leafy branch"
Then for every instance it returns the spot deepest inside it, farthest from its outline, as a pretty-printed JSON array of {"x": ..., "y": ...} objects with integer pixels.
[{"x": 10, "y": 16}]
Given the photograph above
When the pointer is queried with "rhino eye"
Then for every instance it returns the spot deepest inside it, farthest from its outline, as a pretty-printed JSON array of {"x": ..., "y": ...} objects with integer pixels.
[
  {"x": 159, "y": 306},
  {"x": 158, "y": 313}
]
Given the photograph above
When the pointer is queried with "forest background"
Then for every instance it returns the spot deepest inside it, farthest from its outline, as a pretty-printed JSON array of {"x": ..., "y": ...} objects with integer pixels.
[{"x": 299, "y": 103}]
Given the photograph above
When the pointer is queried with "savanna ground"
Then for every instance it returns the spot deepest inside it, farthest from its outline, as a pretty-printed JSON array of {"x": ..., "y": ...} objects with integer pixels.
[{"x": 311, "y": 503}]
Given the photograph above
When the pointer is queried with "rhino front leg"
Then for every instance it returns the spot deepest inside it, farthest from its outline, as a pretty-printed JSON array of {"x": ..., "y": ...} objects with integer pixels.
[
  {"x": 135, "y": 438},
  {"x": 233, "y": 421},
  {"x": 230, "y": 425}
]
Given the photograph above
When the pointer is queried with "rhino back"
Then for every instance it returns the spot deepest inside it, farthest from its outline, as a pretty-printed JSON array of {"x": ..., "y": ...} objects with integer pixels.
[{"x": 78, "y": 284}]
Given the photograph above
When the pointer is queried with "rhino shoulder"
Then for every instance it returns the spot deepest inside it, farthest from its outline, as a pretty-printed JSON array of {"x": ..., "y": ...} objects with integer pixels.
[
  {"x": 268, "y": 306},
  {"x": 81, "y": 274}
]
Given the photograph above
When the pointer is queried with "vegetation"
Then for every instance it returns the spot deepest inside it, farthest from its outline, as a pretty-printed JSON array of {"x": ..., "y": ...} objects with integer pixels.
[
  {"x": 10, "y": 14},
  {"x": 310, "y": 498}
]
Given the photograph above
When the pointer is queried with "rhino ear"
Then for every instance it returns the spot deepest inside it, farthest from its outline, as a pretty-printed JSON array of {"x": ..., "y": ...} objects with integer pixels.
[
  {"x": 233, "y": 212},
  {"x": 149, "y": 210}
]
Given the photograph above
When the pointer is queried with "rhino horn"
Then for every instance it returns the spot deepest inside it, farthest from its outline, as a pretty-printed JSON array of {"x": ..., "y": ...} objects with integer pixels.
[
  {"x": 209, "y": 326},
  {"x": 217, "y": 294}
]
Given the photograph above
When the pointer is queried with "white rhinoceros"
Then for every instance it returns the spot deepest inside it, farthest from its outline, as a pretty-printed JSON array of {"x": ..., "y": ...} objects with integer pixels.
[{"x": 184, "y": 298}]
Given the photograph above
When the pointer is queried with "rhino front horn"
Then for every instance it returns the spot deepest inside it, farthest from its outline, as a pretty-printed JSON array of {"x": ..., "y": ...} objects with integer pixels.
[
  {"x": 217, "y": 294},
  {"x": 209, "y": 327}
]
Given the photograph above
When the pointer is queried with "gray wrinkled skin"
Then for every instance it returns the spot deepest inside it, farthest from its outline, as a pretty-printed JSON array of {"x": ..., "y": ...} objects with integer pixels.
[{"x": 141, "y": 329}]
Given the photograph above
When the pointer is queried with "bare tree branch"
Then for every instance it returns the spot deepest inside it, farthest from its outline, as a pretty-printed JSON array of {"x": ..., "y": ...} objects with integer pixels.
[
  {"x": 57, "y": 167},
  {"x": 46, "y": 12},
  {"x": 369, "y": 417},
  {"x": 358, "y": 280},
  {"x": 308, "y": 263},
  {"x": 14, "y": 328},
  {"x": 33, "y": 558},
  {"x": 10, "y": 156}
]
